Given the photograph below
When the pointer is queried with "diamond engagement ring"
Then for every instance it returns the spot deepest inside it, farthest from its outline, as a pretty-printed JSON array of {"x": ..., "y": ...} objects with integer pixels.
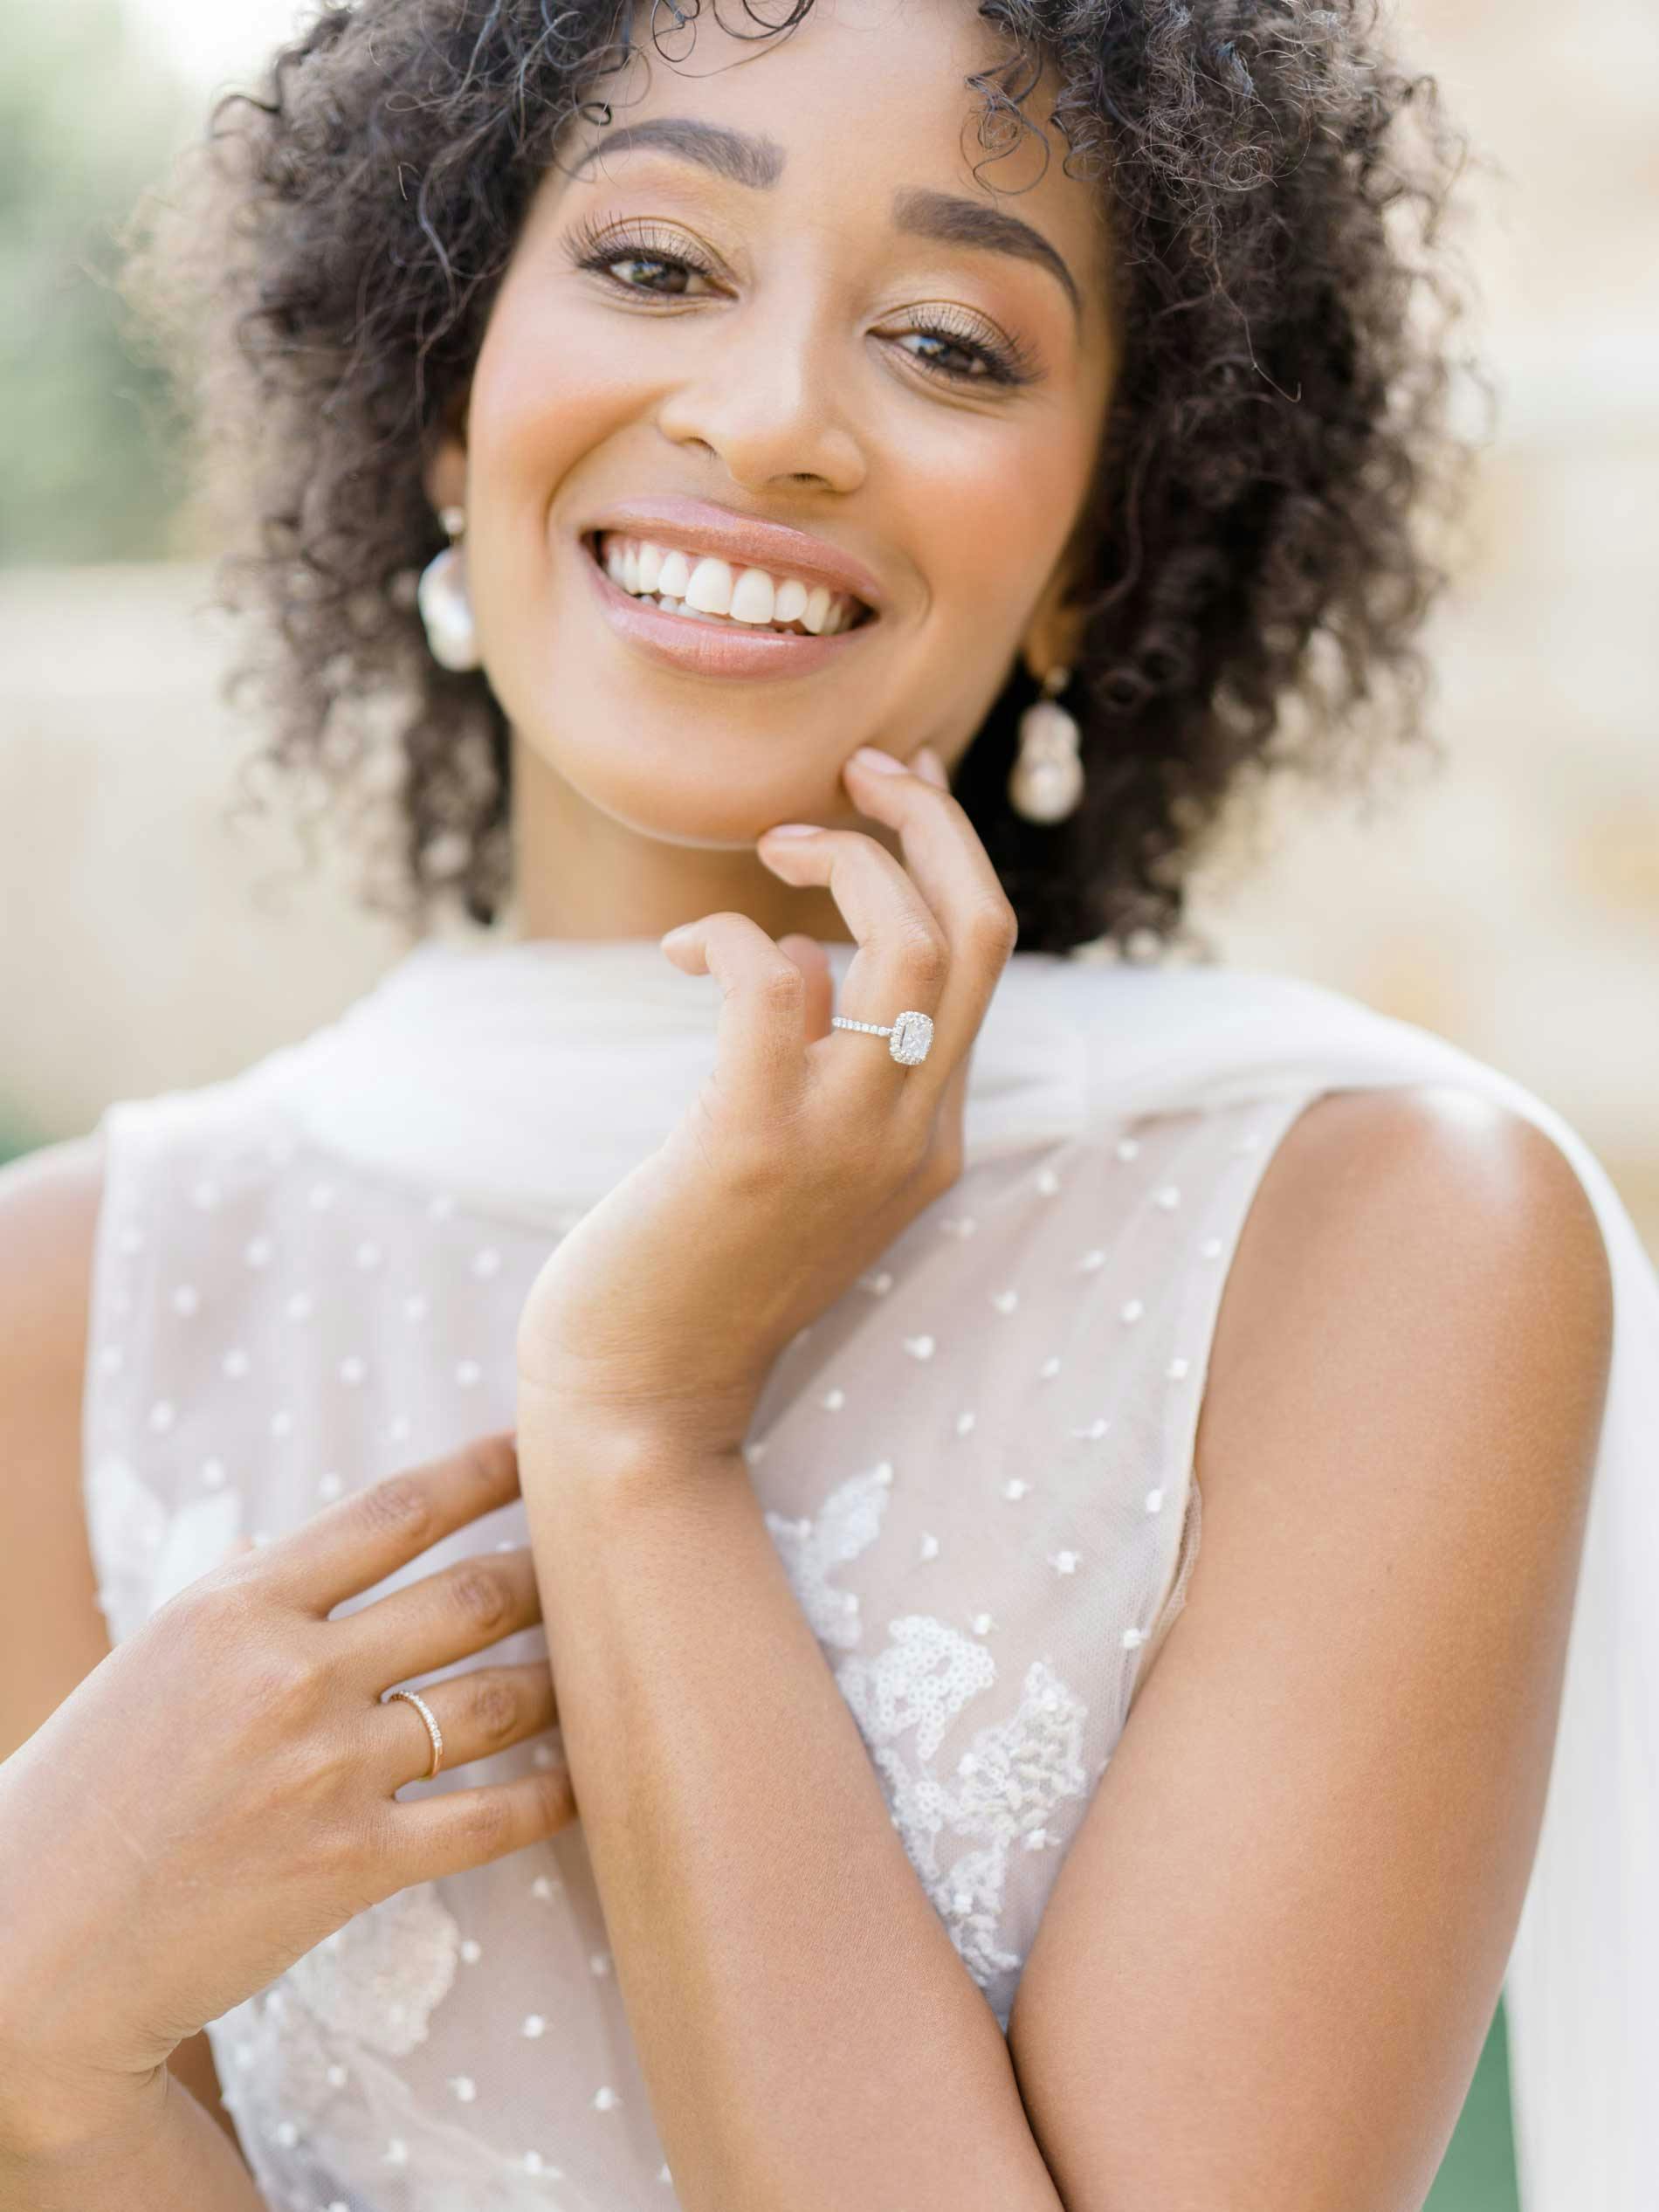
[{"x": 908, "y": 1038}]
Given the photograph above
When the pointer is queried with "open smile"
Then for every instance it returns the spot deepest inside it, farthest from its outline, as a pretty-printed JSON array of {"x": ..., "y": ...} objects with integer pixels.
[{"x": 695, "y": 609}]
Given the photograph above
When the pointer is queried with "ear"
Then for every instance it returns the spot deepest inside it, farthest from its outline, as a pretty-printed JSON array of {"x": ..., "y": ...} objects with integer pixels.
[
  {"x": 1053, "y": 636},
  {"x": 444, "y": 474}
]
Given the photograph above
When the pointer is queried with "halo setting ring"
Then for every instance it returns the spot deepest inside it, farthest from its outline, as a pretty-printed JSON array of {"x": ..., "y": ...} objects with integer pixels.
[{"x": 909, "y": 1039}]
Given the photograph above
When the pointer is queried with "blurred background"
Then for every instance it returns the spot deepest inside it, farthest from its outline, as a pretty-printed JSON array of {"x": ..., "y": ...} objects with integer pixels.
[{"x": 153, "y": 937}]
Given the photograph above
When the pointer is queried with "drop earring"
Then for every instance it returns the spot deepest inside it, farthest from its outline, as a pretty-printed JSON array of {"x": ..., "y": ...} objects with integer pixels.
[
  {"x": 446, "y": 610},
  {"x": 1046, "y": 781}
]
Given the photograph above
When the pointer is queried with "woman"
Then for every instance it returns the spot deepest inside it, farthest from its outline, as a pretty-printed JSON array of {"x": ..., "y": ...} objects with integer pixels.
[{"x": 805, "y": 1420}]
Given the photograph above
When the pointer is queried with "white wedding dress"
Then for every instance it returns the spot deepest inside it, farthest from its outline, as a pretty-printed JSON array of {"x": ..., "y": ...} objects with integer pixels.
[{"x": 976, "y": 1467}]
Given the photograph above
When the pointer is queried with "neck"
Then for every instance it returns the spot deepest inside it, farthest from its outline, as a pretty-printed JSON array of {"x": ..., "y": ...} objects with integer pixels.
[{"x": 579, "y": 872}]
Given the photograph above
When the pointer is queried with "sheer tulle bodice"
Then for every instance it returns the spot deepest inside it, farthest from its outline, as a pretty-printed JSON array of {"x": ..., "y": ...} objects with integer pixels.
[{"x": 976, "y": 1467}]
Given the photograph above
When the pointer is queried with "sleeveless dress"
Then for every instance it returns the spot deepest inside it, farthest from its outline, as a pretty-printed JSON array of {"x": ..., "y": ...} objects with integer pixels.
[{"x": 976, "y": 1467}]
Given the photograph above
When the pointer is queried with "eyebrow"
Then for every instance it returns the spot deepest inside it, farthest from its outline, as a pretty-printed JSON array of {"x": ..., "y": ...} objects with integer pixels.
[
  {"x": 736, "y": 156},
  {"x": 953, "y": 221},
  {"x": 742, "y": 157}
]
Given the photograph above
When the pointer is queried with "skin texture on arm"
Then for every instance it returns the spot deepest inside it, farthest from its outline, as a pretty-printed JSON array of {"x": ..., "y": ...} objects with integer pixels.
[
  {"x": 1274, "y": 1951},
  {"x": 52, "y": 1633},
  {"x": 809, "y": 2034}
]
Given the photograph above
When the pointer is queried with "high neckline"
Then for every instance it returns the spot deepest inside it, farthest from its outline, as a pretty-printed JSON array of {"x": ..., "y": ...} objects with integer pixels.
[{"x": 527, "y": 1075}]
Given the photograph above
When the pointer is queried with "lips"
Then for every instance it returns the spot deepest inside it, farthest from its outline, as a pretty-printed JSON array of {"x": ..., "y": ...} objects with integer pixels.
[
  {"x": 705, "y": 646},
  {"x": 741, "y": 541},
  {"x": 703, "y": 588}
]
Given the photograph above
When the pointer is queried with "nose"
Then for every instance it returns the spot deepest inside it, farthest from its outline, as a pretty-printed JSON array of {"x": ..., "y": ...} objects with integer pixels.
[{"x": 763, "y": 400}]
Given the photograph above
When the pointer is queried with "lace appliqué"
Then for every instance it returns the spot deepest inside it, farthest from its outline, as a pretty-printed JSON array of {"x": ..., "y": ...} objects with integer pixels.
[
  {"x": 149, "y": 1556},
  {"x": 849, "y": 1523},
  {"x": 1006, "y": 1789},
  {"x": 379, "y": 1978}
]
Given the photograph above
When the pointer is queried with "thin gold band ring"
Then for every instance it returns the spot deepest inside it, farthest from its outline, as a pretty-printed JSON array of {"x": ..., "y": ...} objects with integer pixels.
[{"x": 432, "y": 1728}]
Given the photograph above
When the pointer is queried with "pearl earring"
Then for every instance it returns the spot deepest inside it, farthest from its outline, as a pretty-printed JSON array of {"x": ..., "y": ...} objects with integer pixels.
[
  {"x": 1046, "y": 782},
  {"x": 446, "y": 612}
]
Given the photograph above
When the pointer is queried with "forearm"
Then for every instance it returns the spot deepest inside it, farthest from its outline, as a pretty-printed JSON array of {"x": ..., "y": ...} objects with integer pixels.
[
  {"x": 808, "y": 2034},
  {"x": 173, "y": 2153}
]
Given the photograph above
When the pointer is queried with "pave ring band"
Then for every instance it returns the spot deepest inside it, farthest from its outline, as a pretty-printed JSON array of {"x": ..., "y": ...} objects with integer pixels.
[
  {"x": 909, "y": 1038},
  {"x": 432, "y": 1728}
]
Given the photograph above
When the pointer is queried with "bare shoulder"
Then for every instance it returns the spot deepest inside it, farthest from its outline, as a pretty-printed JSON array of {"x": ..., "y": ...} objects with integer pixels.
[
  {"x": 49, "y": 1205},
  {"x": 1417, "y": 1237},
  {"x": 53, "y": 1633},
  {"x": 1360, "y": 1696}
]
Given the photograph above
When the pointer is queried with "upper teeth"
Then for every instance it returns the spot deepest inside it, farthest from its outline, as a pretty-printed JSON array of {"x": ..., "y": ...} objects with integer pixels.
[{"x": 699, "y": 584}]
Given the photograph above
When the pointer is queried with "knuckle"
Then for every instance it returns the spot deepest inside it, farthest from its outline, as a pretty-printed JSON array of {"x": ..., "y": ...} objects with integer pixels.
[
  {"x": 993, "y": 930},
  {"x": 278, "y": 1680},
  {"x": 783, "y": 988},
  {"x": 479, "y": 1595},
  {"x": 400, "y": 1507},
  {"x": 556, "y": 1800},
  {"x": 491, "y": 1464},
  {"x": 486, "y": 1822},
  {"x": 493, "y": 1709},
  {"x": 923, "y": 957},
  {"x": 215, "y": 1605},
  {"x": 945, "y": 1166},
  {"x": 341, "y": 1851},
  {"x": 935, "y": 1163}
]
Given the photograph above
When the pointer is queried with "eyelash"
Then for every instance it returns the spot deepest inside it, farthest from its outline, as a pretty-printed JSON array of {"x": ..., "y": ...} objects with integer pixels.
[{"x": 1006, "y": 362}]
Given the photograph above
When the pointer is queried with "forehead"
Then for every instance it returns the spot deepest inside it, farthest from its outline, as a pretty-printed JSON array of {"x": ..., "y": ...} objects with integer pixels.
[{"x": 861, "y": 98}]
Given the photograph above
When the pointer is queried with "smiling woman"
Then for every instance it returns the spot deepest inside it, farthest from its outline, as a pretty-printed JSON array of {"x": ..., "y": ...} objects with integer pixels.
[
  {"x": 1153, "y": 266},
  {"x": 899, "y": 462}
]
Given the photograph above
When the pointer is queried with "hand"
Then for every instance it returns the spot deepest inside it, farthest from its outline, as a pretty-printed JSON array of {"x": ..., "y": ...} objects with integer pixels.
[
  {"x": 219, "y": 1794},
  {"x": 809, "y": 1149}
]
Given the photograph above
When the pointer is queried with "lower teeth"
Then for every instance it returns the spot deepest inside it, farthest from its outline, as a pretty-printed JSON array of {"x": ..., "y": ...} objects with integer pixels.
[{"x": 699, "y": 614}]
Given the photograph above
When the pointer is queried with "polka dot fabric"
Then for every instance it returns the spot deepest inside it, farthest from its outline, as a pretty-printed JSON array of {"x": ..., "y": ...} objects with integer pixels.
[{"x": 976, "y": 1468}]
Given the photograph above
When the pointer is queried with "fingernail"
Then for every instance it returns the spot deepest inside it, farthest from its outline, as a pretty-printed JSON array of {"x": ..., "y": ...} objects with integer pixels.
[
  {"x": 871, "y": 756},
  {"x": 792, "y": 829}
]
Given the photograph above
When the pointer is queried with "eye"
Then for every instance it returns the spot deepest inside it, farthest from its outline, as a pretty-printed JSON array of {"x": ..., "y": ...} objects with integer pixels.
[
  {"x": 657, "y": 264},
  {"x": 964, "y": 353}
]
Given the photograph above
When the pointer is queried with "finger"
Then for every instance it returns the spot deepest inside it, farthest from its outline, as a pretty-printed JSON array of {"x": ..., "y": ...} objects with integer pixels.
[
  {"x": 478, "y": 1713},
  {"x": 443, "y": 1617},
  {"x": 902, "y": 958},
  {"x": 447, "y": 1831},
  {"x": 943, "y": 853},
  {"x": 760, "y": 1035},
  {"x": 350, "y": 1546},
  {"x": 808, "y": 957}
]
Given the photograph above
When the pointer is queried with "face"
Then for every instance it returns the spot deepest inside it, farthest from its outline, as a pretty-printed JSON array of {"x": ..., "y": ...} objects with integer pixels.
[{"x": 767, "y": 344}]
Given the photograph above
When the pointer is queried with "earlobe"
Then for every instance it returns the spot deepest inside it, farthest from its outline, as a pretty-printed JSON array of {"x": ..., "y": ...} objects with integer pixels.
[
  {"x": 444, "y": 475},
  {"x": 1054, "y": 636},
  {"x": 1054, "y": 642}
]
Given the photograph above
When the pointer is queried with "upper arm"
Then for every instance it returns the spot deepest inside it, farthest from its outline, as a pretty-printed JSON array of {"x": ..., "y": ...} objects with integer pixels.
[
  {"x": 51, "y": 1632},
  {"x": 1270, "y": 1960}
]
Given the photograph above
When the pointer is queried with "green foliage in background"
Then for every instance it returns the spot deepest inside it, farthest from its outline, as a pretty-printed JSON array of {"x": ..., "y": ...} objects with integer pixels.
[
  {"x": 89, "y": 118},
  {"x": 1477, "y": 2173}
]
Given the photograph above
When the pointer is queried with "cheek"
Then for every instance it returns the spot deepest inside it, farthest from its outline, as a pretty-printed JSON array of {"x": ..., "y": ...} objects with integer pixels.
[
  {"x": 993, "y": 505},
  {"x": 549, "y": 386}
]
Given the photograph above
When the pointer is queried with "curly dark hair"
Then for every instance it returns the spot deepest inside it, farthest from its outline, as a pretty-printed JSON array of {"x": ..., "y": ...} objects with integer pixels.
[{"x": 1280, "y": 445}]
